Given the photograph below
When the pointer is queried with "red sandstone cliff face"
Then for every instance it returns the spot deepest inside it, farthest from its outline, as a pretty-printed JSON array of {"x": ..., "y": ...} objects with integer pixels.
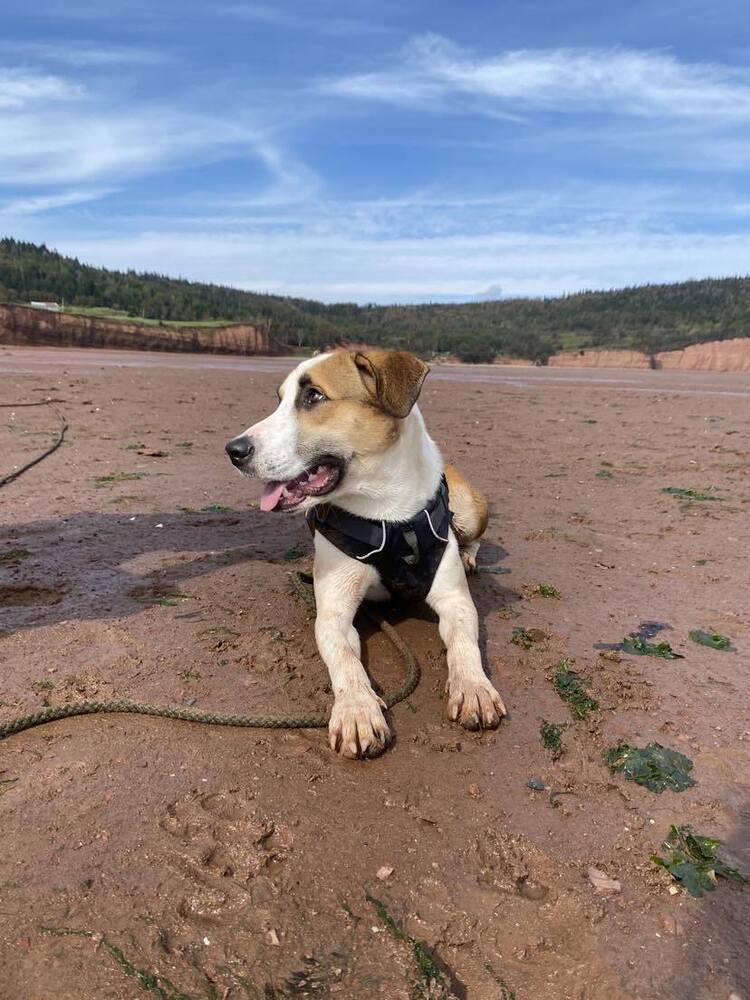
[
  {"x": 35, "y": 327},
  {"x": 599, "y": 359},
  {"x": 713, "y": 356}
]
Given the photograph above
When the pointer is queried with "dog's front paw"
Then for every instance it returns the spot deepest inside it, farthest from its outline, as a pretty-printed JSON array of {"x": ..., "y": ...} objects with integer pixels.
[
  {"x": 474, "y": 703},
  {"x": 357, "y": 727}
]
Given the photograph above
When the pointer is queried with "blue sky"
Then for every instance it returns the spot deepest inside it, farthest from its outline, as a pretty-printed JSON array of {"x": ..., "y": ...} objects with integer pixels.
[{"x": 382, "y": 150}]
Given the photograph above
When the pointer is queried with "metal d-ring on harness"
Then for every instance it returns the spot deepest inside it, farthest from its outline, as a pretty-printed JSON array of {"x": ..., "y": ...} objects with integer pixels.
[{"x": 302, "y": 585}]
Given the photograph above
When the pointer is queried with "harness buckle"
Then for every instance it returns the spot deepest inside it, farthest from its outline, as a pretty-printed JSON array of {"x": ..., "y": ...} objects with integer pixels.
[{"x": 410, "y": 537}]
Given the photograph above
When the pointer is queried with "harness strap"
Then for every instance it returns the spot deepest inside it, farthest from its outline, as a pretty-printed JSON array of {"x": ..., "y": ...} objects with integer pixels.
[{"x": 405, "y": 553}]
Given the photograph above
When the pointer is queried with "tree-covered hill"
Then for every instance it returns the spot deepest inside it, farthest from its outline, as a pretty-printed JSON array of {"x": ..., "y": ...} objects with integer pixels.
[{"x": 648, "y": 317}]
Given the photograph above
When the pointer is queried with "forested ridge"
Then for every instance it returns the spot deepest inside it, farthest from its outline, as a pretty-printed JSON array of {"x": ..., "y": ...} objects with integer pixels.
[{"x": 647, "y": 317}]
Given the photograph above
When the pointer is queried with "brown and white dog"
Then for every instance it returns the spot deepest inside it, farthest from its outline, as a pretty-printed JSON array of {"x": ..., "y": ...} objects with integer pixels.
[{"x": 347, "y": 431}]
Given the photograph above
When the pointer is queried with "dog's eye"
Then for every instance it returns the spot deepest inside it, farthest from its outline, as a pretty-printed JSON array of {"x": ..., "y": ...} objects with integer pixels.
[{"x": 312, "y": 396}]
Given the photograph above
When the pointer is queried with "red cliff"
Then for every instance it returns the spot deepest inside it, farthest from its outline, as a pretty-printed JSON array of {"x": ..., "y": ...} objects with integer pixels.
[{"x": 37, "y": 327}]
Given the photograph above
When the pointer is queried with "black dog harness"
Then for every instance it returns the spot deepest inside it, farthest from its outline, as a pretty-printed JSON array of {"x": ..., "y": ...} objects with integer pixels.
[{"x": 405, "y": 553}]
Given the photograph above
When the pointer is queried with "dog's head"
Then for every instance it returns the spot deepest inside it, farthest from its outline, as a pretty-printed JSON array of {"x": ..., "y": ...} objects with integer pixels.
[{"x": 336, "y": 412}]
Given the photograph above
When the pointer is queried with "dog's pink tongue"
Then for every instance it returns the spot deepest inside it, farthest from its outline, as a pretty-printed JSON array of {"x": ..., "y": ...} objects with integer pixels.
[{"x": 271, "y": 495}]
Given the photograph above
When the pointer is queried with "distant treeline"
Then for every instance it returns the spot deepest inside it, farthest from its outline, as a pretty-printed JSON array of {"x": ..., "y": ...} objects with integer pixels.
[{"x": 650, "y": 318}]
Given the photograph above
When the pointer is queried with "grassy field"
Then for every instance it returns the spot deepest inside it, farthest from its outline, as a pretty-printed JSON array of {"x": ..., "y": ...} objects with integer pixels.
[
  {"x": 574, "y": 341},
  {"x": 101, "y": 312}
]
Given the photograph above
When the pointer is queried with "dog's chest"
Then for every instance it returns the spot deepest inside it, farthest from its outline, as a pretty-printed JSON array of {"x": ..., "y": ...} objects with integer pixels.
[{"x": 406, "y": 554}]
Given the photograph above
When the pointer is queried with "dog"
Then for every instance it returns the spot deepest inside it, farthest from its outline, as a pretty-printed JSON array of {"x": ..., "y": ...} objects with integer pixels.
[{"x": 348, "y": 446}]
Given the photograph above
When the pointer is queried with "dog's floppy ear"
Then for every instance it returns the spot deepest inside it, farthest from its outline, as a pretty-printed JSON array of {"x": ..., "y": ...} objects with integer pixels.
[{"x": 393, "y": 379}]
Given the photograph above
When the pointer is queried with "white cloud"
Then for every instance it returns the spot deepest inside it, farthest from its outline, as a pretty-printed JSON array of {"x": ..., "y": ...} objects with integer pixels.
[
  {"x": 650, "y": 84},
  {"x": 44, "y": 146},
  {"x": 316, "y": 21},
  {"x": 20, "y": 87},
  {"x": 97, "y": 138},
  {"x": 81, "y": 54},
  {"x": 430, "y": 245},
  {"x": 431, "y": 214},
  {"x": 292, "y": 182},
  {"x": 341, "y": 266},
  {"x": 40, "y": 203}
]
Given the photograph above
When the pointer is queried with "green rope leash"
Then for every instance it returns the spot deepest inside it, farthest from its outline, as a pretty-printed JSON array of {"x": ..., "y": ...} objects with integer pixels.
[{"x": 302, "y": 585}]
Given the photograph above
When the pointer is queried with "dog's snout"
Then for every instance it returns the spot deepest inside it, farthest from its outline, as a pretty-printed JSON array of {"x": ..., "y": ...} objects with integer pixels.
[{"x": 240, "y": 449}]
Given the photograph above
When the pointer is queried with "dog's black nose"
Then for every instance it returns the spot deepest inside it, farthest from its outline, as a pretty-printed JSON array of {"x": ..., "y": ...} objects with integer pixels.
[{"x": 240, "y": 449}]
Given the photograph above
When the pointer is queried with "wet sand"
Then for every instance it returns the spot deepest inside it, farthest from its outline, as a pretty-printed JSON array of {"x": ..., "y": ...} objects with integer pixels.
[{"x": 236, "y": 863}]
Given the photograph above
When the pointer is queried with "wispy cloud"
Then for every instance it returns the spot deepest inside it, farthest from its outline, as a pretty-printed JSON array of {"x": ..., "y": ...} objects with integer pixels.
[
  {"x": 335, "y": 267},
  {"x": 16, "y": 208},
  {"x": 291, "y": 181},
  {"x": 319, "y": 22},
  {"x": 651, "y": 84},
  {"x": 100, "y": 138},
  {"x": 21, "y": 87},
  {"x": 43, "y": 146},
  {"x": 84, "y": 54},
  {"x": 425, "y": 216},
  {"x": 427, "y": 246}
]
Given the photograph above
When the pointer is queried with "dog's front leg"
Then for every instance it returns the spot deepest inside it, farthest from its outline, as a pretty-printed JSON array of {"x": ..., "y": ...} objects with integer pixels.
[
  {"x": 472, "y": 700},
  {"x": 357, "y": 727}
]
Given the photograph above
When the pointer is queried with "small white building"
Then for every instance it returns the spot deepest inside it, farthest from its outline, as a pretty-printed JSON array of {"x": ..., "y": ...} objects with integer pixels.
[{"x": 49, "y": 306}]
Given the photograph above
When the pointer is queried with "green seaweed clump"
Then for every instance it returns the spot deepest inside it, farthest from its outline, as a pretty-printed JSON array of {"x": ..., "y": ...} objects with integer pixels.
[
  {"x": 652, "y": 766},
  {"x": 639, "y": 646},
  {"x": 547, "y": 590},
  {"x": 148, "y": 981},
  {"x": 525, "y": 638},
  {"x": 693, "y": 861},
  {"x": 568, "y": 685},
  {"x": 14, "y": 555},
  {"x": 293, "y": 554},
  {"x": 168, "y": 599},
  {"x": 431, "y": 983},
  {"x": 506, "y": 993},
  {"x": 683, "y": 494},
  {"x": 712, "y": 639},
  {"x": 551, "y": 736},
  {"x": 117, "y": 477}
]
